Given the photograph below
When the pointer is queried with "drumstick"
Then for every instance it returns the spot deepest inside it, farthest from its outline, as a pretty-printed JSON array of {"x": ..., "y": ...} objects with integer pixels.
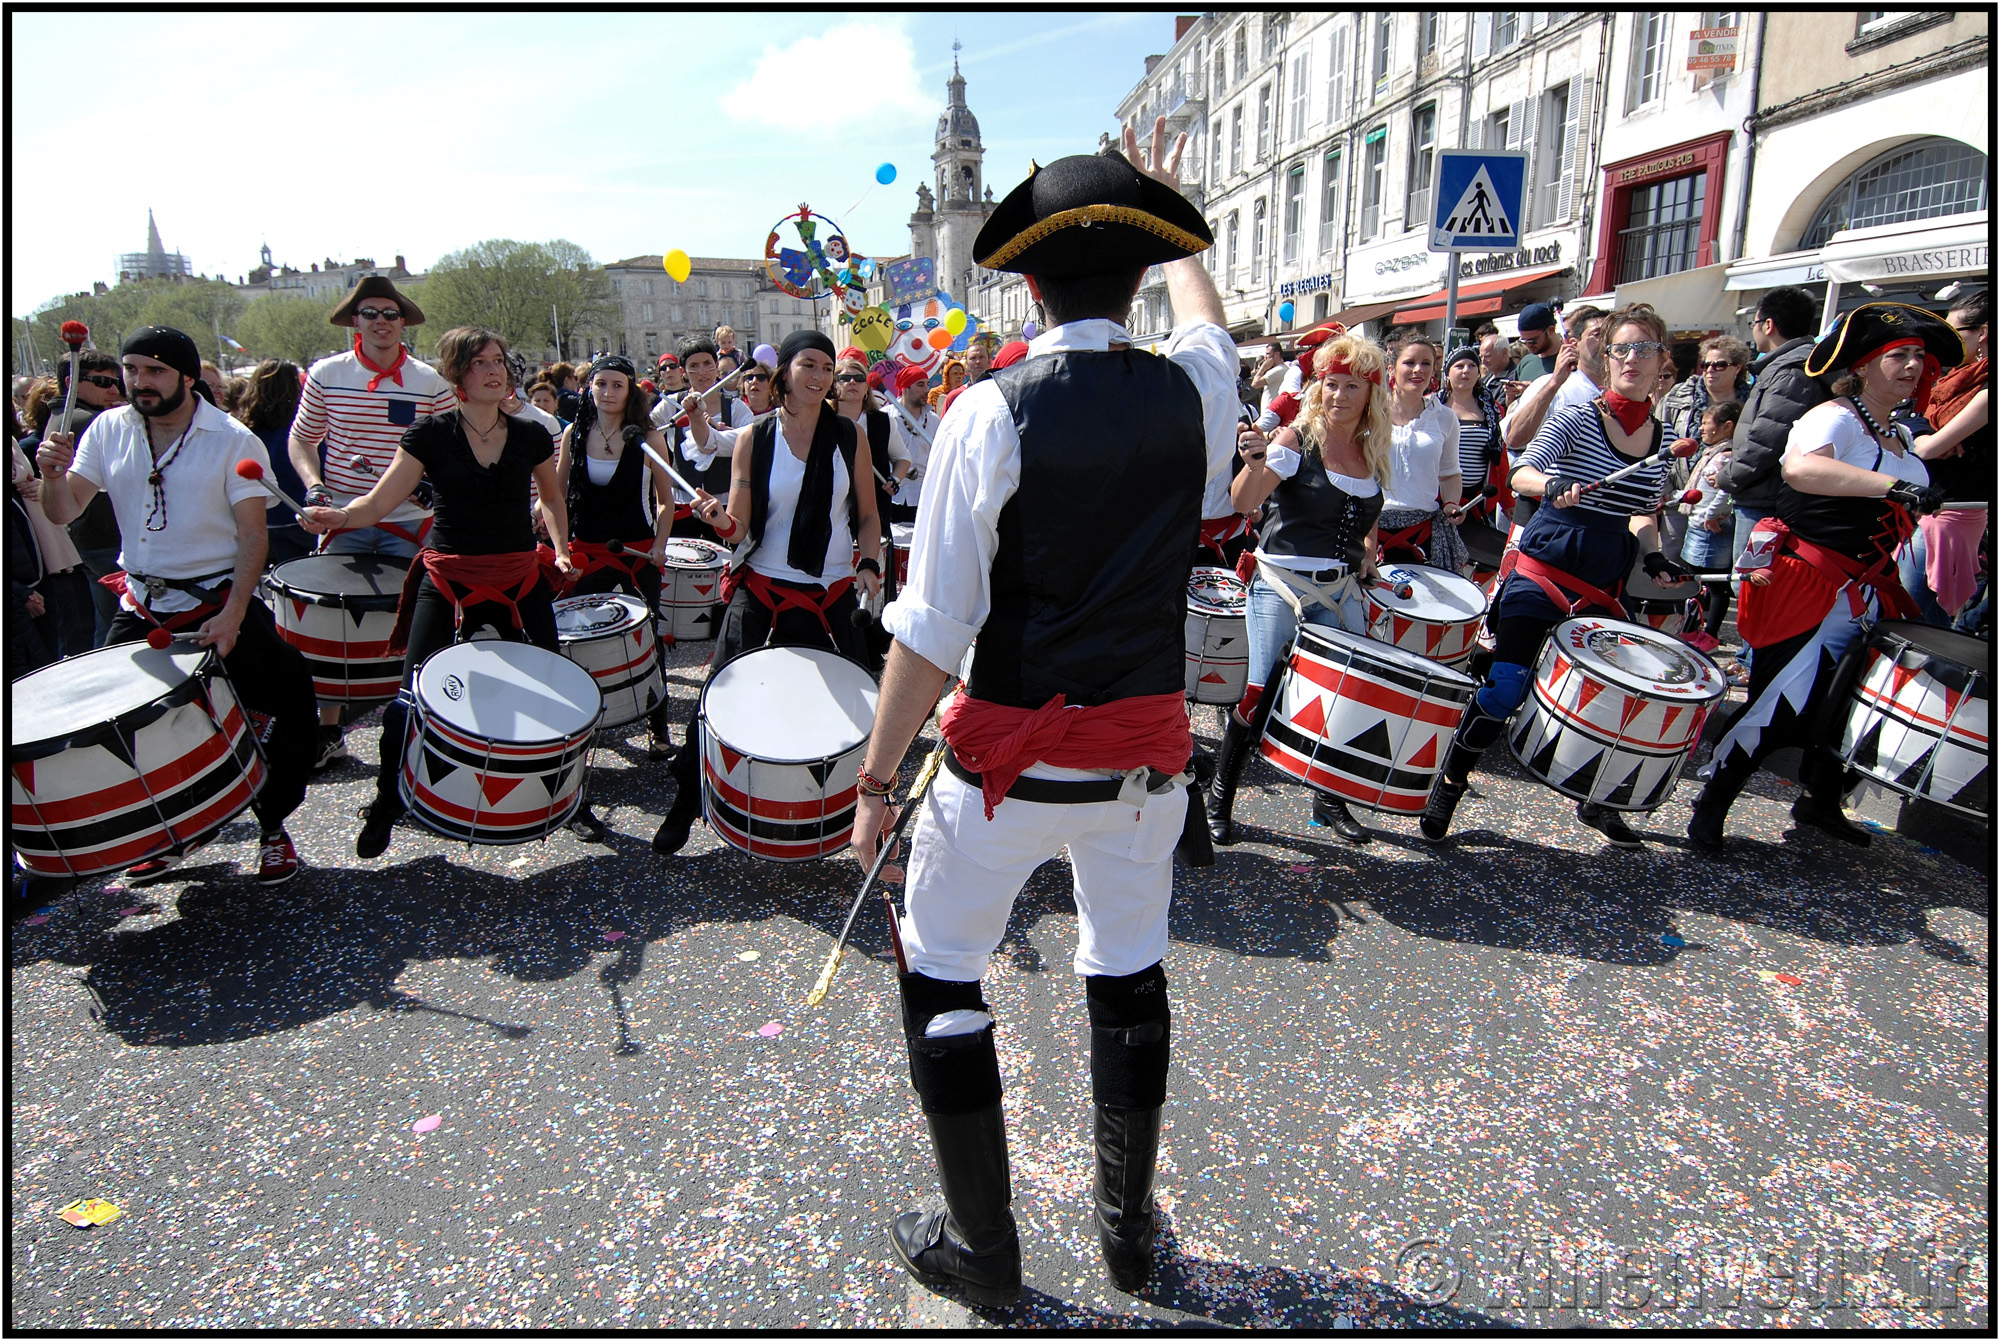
[
  {"x": 1681, "y": 450},
  {"x": 254, "y": 471},
  {"x": 672, "y": 474},
  {"x": 917, "y": 789}
]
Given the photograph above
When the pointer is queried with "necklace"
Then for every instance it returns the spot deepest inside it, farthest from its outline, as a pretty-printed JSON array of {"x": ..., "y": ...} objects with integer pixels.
[
  {"x": 156, "y": 514},
  {"x": 499, "y": 422},
  {"x": 1882, "y": 435}
]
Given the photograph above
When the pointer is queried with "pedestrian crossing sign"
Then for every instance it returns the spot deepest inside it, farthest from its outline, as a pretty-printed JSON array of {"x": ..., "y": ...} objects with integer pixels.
[{"x": 1478, "y": 199}]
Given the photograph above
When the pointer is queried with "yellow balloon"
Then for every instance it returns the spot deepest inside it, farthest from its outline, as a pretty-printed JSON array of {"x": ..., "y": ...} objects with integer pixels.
[
  {"x": 954, "y": 320},
  {"x": 874, "y": 329},
  {"x": 677, "y": 265}
]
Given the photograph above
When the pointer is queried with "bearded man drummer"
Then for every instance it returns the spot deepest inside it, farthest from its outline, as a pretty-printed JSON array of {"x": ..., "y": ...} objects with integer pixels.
[
  {"x": 194, "y": 546},
  {"x": 1079, "y": 666}
]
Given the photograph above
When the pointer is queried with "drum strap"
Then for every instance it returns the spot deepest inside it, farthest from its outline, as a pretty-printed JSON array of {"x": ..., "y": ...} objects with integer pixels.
[
  {"x": 590, "y": 556},
  {"x": 467, "y": 579},
  {"x": 778, "y": 597},
  {"x": 1217, "y": 531},
  {"x": 1561, "y": 587},
  {"x": 1406, "y": 541},
  {"x": 1297, "y": 589},
  {"x": 142, "y": 588}
]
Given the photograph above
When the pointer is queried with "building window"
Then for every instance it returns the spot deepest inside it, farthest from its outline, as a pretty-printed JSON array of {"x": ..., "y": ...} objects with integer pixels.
[
  {"x": 1221, "y": 72},
  {"x": 1371, "y": 182},
  {"x": 652, "y": 344},
  {"x": 1242, "y": 53},
  {"x": 1506, "y": 28},
  {"x": 701, "y": 291},
  {"x": 1719, "y": 18},
  {"x": 1378, "y": 70},
  {"x": 1295, "y": 209},
  {"x": 1257, "y": 241},
  {"x": 1913, "y": 181},
  {"x": 1214, "y": 153},
  {"x": 1423, "y": 149},
  {"x": 677, "y": 314},
  {"x": 1336, "y": 76},
  {"x": 649, "y": 288},
  {"x": 1648, "y": 78},
  {"x": 1229, "y": 263},
  {"x": 1329, "y": 203},
  {"x": 1263, "y": 123},
  {"x": 1208, "y": 255},
  {"x": 1430, "y": 30},
  {"x": 1236, "y": 139},
  {"x": 646, "y": 311},
  {"x": 704, "y": 314},
  {"x": 1274, "y": 29},
  {"x": 1546, "y": 171},
  {"x": 1664, "y": 228},
  {"x": 1301, "y": 70}
]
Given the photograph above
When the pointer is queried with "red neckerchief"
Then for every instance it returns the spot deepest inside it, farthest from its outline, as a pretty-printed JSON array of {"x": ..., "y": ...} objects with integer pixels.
[
  {"x": 1629, "y": 413},
  {"x": 394, "y": 372}
]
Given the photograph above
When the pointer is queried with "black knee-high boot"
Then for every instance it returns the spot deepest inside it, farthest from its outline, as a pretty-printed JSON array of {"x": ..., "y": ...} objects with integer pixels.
[
  {"x": 1822, "y": 780},
  {"x": 1475, "y": 735},
  {"x": 1230, "y": 758},
  {"x": 970, "y": 1243},
  {"x": 1711, "y": 808},
  {"x": 1130, "y": 1041},
  {"x": 672, "y": 834}
]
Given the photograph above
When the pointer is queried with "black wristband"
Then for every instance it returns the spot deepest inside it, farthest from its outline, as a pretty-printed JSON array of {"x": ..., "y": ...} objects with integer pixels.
[{"x": 866, "y": 565}]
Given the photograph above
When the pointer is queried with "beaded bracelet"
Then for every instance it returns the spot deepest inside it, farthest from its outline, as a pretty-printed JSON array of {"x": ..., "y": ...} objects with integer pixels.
[{"x": 870, "y": 785}]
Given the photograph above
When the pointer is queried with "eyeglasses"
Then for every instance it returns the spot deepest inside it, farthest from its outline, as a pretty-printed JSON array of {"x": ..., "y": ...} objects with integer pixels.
[
  {"x": 756, "y": 377},
  {"x": 1715, "y": 367},
  {"x": 1967, "y": 330},
  {"x": 851, "y": 377},
  {"x": 97, "y": 379},
  {"x": 378, "y": 314},
  {"x": 1632, "y": 350}
]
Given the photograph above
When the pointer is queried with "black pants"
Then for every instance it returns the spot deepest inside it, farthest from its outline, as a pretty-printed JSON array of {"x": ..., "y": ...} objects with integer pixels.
[
  {"x": 432, "y": 629},
  {"x": 645, "y": 584},
  {"x": 745, "y": 627},
  {"x": 270, "y": 676}
]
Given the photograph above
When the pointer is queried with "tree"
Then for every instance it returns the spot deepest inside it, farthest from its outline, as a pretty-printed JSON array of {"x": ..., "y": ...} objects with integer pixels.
[
  {"x": 203, "y": 308},
  {"x": 286, "y": 326},
  {"x": 515, "y": 288}
]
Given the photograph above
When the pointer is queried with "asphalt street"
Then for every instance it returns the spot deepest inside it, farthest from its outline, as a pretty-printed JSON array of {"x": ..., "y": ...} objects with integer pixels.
[{"x": 1517, "y": 1079}]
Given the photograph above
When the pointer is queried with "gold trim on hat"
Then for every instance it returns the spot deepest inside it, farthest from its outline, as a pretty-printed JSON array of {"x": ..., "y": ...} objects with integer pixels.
[
  {"x": 1888, "y": 318},
  {"x": 1082, "y": 217}
]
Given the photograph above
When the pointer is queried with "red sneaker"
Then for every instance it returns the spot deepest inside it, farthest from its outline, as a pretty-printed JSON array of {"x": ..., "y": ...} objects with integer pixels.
[
  {"x": 277, "y": 860},
  {"x": 146, "y": 872}
]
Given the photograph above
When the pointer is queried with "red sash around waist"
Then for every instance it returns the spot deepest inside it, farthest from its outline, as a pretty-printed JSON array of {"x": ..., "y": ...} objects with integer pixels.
[
  {"x": 590, "y": 556},
  {"x": 1405, "y": 542},
  {"x": 1805, "y": 579},
  {"x": 1218, "y": 531},
  {"x": 1560, "y": 587},
  {"x": 473, "y": 579},
  {"x": 211, "y": 599},
  {"x": 778, "y": 597},
  {"x": 1001, "y": 742}
]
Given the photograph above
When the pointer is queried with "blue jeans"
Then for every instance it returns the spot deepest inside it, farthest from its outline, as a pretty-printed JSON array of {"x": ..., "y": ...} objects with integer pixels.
[
  {"x": 372, "y": 540},
  {"x": 103, "y": 604},
  {"x": 289, "y": 541},
  {"x": 1911, "y": 562},
  {"x": 1272, "y": 624},
  {"x": 1703, "y": 548},
  {"x": 1745, "y": 519}
]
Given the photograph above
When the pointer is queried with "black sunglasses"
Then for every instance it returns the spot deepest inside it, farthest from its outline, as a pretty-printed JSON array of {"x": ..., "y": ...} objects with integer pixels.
[
  {"x": 378, "y": 314},
  {"x": 851, "y": 377},
  {"x": 756, "y": 377},
  {"x": 98, "y": 379}
]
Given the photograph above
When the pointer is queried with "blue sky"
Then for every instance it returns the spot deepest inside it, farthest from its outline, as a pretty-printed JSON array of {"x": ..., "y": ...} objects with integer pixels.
[{"x": 626, "y": 134}]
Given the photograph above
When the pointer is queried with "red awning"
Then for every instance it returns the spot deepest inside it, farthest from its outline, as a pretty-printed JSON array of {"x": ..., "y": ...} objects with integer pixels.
[{"x": 1431, "y": 305}]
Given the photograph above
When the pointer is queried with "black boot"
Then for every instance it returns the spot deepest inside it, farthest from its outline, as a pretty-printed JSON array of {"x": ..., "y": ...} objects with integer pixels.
[
  {"x": 968, "y": 1245},
  {"x": 1453, "y": 779},
  {"x": 672, "y": 834},
  {"x": 1230, "y": 758},
  {"x": 1820, "y": 777},
  {"x": 1128, "y": 1151},
  {"x": 1332, "y": 813},
  {"x": 1711, "y": 808},
  {"x": 1609, "y": 823}
]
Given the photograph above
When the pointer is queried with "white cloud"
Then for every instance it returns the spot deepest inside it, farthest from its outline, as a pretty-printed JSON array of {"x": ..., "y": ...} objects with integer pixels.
[{"x": 870, "y": 69}]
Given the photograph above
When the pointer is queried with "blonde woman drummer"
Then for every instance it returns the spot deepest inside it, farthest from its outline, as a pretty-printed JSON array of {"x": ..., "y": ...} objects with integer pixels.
[{"x": 1325, "y": 473}]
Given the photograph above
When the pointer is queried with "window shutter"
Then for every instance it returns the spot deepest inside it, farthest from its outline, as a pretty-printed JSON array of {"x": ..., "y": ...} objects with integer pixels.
[
  {"x": 1475, "y": 132},
  {"x": 1575, "y": 126},
  {"x": 1538, "y": 19},
  {"x": 1482, "y": 34},
  {"x": 1521, "y": 118}
]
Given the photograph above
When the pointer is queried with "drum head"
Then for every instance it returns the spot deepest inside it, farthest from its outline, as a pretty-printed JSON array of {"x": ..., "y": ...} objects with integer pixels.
[
  {"x": 1216, "y": 591},
  {"x": 342, "y": 575},
  {"x": 903, "y": 534},
  {"x": 1339, "y": 645},
  {"x": 1436, "y": 597},
  {"x": 690, "y": 552},
  {"x": 96, "y": 688},
  {"x": 790, "y": 704},
  {"x": 1635, "y": 657},
  {"x": 1966, "y": 651},
  {"x": 512, "y": 692},
  {"x": 595, "y": 616}
]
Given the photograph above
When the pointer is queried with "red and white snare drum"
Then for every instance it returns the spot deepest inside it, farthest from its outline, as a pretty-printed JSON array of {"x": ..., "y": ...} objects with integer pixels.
[
  {"x": 1363, "y": 720},
  {"x": 1919, "y": 720},
  {"x": 1218, "y": 636},
  {"x": 1614, "y": 710},
  {"x": 902, "y": 535},
  {"x": 499, "y": 741},
  {"x": 783, "y": 733},
  {"x": 338, "y": 610},
  {"x": 610, "y": 636},
  {"x": 691, "y": 588},
  {"x": 1439, "y": 619},
  {"x": 125, "y": 752}
]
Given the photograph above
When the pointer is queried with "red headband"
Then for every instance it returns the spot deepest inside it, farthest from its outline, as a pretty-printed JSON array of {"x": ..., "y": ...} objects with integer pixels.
[
  {"x": 1329, "y": 366},
  {"x": 1924, "y": 383},
  {"x": 1879, "y": 351}
]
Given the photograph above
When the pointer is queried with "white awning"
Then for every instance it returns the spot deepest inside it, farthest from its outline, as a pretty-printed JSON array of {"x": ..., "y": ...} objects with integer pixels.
[
  {"x": 1793, "y": 267},
  {"x": 1908, "y": 252},
  {"x": 1687, "y": 300}
]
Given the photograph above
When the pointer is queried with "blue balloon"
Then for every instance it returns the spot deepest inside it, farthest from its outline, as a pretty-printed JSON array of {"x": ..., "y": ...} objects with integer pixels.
[
  {"x": 1286, "y": 311},
  {"x": 886, "y": 173}
]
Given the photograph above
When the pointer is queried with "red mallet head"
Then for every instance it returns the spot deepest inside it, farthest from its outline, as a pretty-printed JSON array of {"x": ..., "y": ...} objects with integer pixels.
[
  {"x": 1691, "y": 496},
  {"x": 250, "y": 470},
  {"x": 74, "y": 333},
  {"x": 360, "y": 463},
  {"x": 159, "y": 639},
  {"x": 1685, "y": 448}
]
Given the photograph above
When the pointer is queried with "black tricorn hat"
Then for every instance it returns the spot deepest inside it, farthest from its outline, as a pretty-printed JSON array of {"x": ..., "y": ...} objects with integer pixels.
[
  {"x": 1873, "y": 326},
  {"x": 1088, "y": 214},
  {"x": 375, "y": 286}
]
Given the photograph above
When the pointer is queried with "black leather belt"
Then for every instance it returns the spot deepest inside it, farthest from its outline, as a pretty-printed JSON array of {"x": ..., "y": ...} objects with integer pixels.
[{"x": 1055, "y": 792}]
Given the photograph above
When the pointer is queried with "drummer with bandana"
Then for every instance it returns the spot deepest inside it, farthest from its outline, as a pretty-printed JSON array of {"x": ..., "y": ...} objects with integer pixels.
[
  {"x": 1072, "y": 729},
  {"x": 194, "y": 544},
  {"x": 1852, "y": 487}
]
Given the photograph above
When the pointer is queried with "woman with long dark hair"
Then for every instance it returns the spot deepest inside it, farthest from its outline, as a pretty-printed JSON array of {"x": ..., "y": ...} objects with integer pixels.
[
  {"x": 800, "y": 497},
  {"x": 267, "y": 408}
]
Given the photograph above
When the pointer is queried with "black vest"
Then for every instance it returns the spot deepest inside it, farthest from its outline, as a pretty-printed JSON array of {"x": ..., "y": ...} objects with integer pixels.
[
  {"x": 611, "y": 511},
  {"x": 1090, "y": 578},
  {"x": 1860, "y": 528},
  {"x": 716, "y": 478},
  {"x": 762, "y": 441},
  {"x": 1316, "y": 518}
]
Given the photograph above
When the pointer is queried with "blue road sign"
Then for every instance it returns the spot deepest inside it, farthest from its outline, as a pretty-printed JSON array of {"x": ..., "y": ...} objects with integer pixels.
[{"x": 1478, "y": 200}]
